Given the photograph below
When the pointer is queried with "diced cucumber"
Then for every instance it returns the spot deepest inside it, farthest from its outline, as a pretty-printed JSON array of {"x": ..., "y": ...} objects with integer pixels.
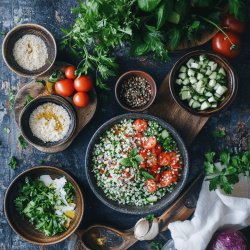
[
  {"x": 212, "y": 83},
  {"x": 222, "y": 71},
  {"x": 185, "y": 95},
  {"x": 199, "y": 76},
  {"x": 190, "y": 72},
  {"x": 182, "y": 76},
  {"x": 199, "y": 84},
  {"x": 208, "y": 94},
  {"x": 210, "y": 63},
  {"x": 183, "y": 69},
  {"x": 164, "y": 134},
  {"x": 191, "y": 102},
  {"x": 205, "y": 105},
  {"x": 192, "y": 79},
  {"x": 202, "y": 58},
  {"x": 191, "y": 60},
  {"x": 214, "y": 66},
  {"x": 209, "y": 72},
  {"x": 196, "y": 105},
  {"x": 217, "y": 95},
  {"x": 221, "y": 90},
  {"x": 178, "y": 81},
  {"x": 214, "y": 105},
  {"x": 213, "y": 75},
  {"x": 196, "y": 97},
  {"x": 212, "y": 99},
  {"x": 195, "y": 65},
  {"x": 217, "y": 86},
  {"x": 202, "y": 99},
  {"x": 205, "y": 80},
  {"x": 152, "y": 198},
  {"x": 185, "y": 81}
]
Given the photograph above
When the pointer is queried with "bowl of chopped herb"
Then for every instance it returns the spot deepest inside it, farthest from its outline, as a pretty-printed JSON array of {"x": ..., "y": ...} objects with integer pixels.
[
  {"x": 44, "y": 205},
  {"x": 135, "y": 90}
]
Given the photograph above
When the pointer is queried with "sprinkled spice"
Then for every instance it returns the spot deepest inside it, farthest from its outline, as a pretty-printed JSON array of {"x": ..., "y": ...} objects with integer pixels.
[{"x": 135, "y": 92}]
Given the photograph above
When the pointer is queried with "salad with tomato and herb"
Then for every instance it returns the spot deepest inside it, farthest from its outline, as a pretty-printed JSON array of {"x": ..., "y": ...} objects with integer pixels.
[{"x": 136, "y": 162}]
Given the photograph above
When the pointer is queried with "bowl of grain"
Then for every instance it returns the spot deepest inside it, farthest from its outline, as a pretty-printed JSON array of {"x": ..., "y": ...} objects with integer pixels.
[
  {"x": 29, "y": 50},
  {"x": 48, "y": 121},
  {"x": 135, "y": 90}
]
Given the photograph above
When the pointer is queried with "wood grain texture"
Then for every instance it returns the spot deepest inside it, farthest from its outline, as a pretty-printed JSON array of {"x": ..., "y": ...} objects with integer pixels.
[
  {"x": 36, "y": 89},
  {"x": 187, "y": 124}
]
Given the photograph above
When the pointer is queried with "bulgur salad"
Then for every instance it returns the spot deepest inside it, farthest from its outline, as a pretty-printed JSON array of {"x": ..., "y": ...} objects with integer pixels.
[{"x": 136, "y": 162}]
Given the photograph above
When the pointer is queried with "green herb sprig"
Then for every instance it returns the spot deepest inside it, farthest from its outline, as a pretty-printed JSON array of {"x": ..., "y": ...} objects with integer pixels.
[
  {"x": 13, "y": 162},
  {"x": 224, "y": 172},
  {"x": 134, "y": 159}
]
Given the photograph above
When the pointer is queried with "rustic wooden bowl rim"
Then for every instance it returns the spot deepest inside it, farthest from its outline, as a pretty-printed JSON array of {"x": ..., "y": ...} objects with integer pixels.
[
  {"x": 131, "y": 73},
  {"x": 30, "y": 26},
  {"x": 60, "y": 172},
  {"x": 230, "y": 72}
]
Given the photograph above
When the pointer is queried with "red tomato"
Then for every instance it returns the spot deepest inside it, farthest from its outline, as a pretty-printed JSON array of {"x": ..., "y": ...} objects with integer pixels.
[
  {"x": 69, "y": 72},
  {"x": 143, "y": 153},
  {"x": 140, "y": 125},
  {"x": 125, "y": 173},
  {"x": 174, "y": 158},
  {"x": 151, "y": 160},
  {"x": 231, "y": 23},
  {"x": 81, "y": 99},
  {"x": 138, "y": 140},
  {"x": 157, "y": 177},
  {"x": 143, "y": 165},
  {"x": 151, "y": 185},
  {"x": 157, "y": 149},
  {"x": 228, "y": 46},
  {"x": 64, "y": 87},
  {"x": 167, "y": 178},
  {"x": 177, "y": 165},
  {"x": 83, "y": 84},
  {"x": 154, "y": 169},
  {"x": 164, "y": 159},
  {"x": 150, "y": 142}
]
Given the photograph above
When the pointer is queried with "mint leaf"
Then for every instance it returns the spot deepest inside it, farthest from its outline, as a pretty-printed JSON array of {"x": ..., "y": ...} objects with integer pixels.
[
  {"x": 147, "y": 175},
  {"x": 126, "y": 162},
  {"x": 139, "y": 158}
]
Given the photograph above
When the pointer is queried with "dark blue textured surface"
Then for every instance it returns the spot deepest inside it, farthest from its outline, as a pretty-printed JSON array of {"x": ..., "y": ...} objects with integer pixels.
[{"x": 54, "y": 14}]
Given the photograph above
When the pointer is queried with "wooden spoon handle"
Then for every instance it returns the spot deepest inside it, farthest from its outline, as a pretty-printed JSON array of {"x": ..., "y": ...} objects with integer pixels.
[{"x": 183, "y": 207}]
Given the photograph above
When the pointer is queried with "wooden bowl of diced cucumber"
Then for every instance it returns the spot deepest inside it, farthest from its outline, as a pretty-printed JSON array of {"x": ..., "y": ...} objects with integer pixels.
[{"x": 203, "y": 82}]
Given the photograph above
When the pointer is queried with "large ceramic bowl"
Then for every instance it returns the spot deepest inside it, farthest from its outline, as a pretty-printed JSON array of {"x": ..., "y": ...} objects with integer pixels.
[
  {"x": 21, "y": 226},
  {"x": 168, "y": 198},
  {"x": 28, "y": 29},
  {"x": 26, "y": 112}
]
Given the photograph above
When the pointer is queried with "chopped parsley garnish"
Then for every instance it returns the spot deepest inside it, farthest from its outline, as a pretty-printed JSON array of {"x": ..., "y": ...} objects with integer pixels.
[
  {"x": 13, "y": 162},
  {"x": 23, "y": 143}
]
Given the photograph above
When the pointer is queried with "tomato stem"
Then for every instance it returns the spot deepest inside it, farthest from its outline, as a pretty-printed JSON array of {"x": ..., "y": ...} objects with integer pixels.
[{"x": 234, "y": 46}]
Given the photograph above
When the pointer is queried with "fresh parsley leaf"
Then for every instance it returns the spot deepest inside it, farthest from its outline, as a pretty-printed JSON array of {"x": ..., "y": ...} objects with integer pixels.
[
  {"x": 238, "y": 9},
  {"x": 219, "y": 133},
  {"x": 150, "y": 217},
  {"x": 147, "y": 175},
  {"x": 41, "y": 162},
  {"x": 56, "y": 75},
  {"x": 23, "y": 143},
  {"x": 148, "y": 5},
  {"x": 12, "y": 98},
  {"x": 156, "y": 245},
  {"x": 174, "y": 38},
  {"x": 13, "y": 162},
  {"x": 28, "y": 99},
  {"x": 126, "y": 162}
]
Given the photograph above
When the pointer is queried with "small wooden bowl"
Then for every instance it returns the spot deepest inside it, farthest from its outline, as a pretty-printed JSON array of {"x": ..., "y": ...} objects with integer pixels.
[
  {"x": 26, "y": 112},
  {"x": 15, "y": 34},
  {"x": 21, "y": 226},
  {"x": 231, "y": 76},
  {"x": 134, "y": 73}
]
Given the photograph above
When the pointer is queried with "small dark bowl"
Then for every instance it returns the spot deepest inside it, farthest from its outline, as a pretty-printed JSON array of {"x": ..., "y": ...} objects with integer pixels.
[
  {"x": 26, "y": 112},
  {"x": 128, "y": 75},
  {"x": 168, "y": 198},
  {"x": 15, "y": 34},
  {"x": 232, "y": 82},
  {"x": 21, "y": 226}
]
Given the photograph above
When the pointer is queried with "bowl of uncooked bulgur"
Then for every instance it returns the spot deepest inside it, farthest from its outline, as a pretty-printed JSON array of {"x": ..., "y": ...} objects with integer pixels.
[
  {"x": 29, "y": 50},
  {"x": 135, "y": 90}
]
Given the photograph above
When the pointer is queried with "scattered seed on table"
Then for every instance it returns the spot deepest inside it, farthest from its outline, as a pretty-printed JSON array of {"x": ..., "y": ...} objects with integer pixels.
[{"x": 135, "y": 92}]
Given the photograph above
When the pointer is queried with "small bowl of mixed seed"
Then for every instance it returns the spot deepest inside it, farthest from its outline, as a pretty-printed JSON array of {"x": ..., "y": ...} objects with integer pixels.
[{"x": 135, "y": 90}]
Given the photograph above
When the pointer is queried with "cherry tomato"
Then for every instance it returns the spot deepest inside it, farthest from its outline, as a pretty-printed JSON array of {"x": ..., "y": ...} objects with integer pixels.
[
  {"x": 150, "y": 142},
  {"x": 174, "y": 158},
  {"x": 151, "y": 185},
  {"x": 157, "y": 149},
  {"x": 164, "y": 159},
  {"x": 64, "y": 87},
  {"x": 167, "y": 178},
  {"x": 143, "y": 165},
  {"x": 177, "y": 165},
  {"x": 140, "y": 125},
  {"x": 231, "y": 23},
  {"x": 138, "y": 140},
  {"x": 69, "y": 72},
  {"x": 228, "y": 46},
  {"x": 151, "y": 160},
  {"x": 83, "y": 84},
  {"x": 143, "y": 153},
  {"x": 81, "y": 99},
  {"x": 154, "y": 169}
]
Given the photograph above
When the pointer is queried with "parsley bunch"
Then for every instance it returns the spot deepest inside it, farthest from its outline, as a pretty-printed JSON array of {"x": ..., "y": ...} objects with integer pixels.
[{"x": 224, "y": 172}]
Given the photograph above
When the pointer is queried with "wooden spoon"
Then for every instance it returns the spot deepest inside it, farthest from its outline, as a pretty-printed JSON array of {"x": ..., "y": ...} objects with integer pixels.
[{"x": 100, "y": 237}]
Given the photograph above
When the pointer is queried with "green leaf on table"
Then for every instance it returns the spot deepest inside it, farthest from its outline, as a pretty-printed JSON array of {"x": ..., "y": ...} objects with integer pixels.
[
  {"x": 156, "y": 245},
  {"x": 148, "y": 5},
  {"x": 12, "y": 98},
  {"x": 163, "y": 12},
  {"x": 174, "y": 38},
  {"x": 219, "y": 133},
  {"x": 210, "y": 156},
  {"x": 23, "y": 143},
  {"x": 150, "y": 217},
  {"x": 238, "y": 8},
  {"x": 13, "y": 162},
  {"x": 28, "y": 99}
]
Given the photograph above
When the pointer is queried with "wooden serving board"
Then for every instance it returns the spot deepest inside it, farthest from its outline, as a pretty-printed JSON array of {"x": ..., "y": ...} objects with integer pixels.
[
  {"x": 187, "y": 124},
  {"x": 36, "y": 89}
]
